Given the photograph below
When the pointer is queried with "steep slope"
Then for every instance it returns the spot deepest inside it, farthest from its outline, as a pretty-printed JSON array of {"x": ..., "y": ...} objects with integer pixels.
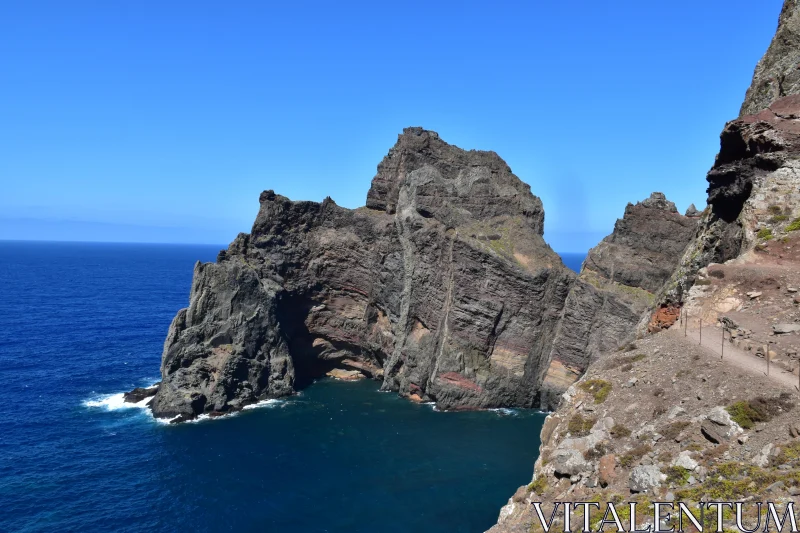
[
  {"x": 668, "y": 418},
  {"x": 442, "y": 287},
  {"x": 776, "y": 75},
  {"x": 617, "y": 285}
]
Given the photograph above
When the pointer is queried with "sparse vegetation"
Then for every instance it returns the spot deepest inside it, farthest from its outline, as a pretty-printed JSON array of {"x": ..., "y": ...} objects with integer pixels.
[
  {"x": 760, "y": 409},
  {"x": 631, "y": 457},
  {"x": 729, "y": 482},
  {"x": 774, "y": 209},
  {"x": 778, "y": 218},
  {"x": 765, "y": 234},
  {"x": 743, "y": 414},
  {"x": 598, "y": 451},
  {"x": 579, "y": 426},
  {"x": 794, "y": 226},
  {"x": 790, "y": 452},
  {"x": 670, "y": 431},
  {"x": 619, "y": 431},
  {"x": 599, "y": 388},
  {"x": 677, "y": 475},
  {"x": 627, "y": 347},
  {"x": 539, "y": 485}
]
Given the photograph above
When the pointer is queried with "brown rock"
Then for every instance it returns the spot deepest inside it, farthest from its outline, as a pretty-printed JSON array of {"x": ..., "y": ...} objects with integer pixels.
[
  {"x": 607, "y": 470},
  {"x": 521, "y": 494}
]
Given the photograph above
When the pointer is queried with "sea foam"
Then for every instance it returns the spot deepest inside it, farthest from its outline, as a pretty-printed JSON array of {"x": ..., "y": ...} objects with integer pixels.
[{"x": 115, "y": 402}]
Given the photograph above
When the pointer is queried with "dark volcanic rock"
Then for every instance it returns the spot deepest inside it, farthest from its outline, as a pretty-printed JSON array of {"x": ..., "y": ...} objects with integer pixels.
[
  {"x": 777, "y": 75},
  {"x": 754, "y": 173},
  {"x": 140, "y": 393},
  {"x": 646, "y": 243},
  {"x": 692, "y": 211},
  {"x": 442, "y": 284},
  {"x": 617, "y": 285}
]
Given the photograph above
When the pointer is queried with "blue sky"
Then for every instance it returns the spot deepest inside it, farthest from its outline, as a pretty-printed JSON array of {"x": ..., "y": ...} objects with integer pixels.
[{"x": 162, "y": 121}]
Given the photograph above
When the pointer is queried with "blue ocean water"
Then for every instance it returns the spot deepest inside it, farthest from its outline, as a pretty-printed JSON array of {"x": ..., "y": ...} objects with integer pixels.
[
  {"x": 573, "y": 260},
  {"x": 80, "y": 323}
]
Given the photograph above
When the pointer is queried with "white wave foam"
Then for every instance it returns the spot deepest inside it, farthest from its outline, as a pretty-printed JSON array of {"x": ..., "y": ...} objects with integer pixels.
[
  {"x": 114, "y": 402},
  {"x": 263, "y": 403},
  {"x": 505, "y": 411}
]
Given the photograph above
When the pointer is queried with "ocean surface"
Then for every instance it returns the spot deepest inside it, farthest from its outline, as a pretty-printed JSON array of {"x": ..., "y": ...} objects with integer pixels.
[
  {"x": 573, "y": 260},
  {"x": 81, "y": 323}
]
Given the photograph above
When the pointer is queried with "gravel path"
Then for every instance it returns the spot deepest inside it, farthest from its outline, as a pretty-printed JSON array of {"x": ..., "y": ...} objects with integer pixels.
[{"x": 712, "y": 343}]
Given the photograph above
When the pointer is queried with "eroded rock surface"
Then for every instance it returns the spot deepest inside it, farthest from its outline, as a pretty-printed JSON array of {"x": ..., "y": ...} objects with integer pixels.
[
  {"x": 616, "y": 286},
  {"x": 442, "y": 287},
  {"x": 776, "y": 75}
]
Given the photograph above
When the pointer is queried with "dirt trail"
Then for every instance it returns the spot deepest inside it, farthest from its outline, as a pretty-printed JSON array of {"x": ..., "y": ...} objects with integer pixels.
[{"x": 712, "y": 344}]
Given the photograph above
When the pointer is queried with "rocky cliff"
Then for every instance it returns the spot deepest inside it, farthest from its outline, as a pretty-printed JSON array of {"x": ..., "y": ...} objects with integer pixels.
[
  {"x": 618, "y": 283},
  {"x": 668, "y": 417},
  {"x": 441, "y": 287},
  {"x": 777, "y": 75}
]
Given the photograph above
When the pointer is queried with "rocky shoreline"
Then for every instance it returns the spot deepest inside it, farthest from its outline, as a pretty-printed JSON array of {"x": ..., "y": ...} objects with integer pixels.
[{"x": 442, "y": 288}]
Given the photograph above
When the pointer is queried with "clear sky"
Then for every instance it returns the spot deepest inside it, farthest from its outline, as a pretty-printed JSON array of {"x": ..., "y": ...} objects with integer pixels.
[{"x": 160, "y": 121}]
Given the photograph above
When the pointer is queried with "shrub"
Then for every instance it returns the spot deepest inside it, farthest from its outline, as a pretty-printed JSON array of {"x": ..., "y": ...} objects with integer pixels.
[
  {"x": 598, "y": 451},
  {"x": 771, "y": 407},
  {"x": 765, "y": 234},
  {"x": 677, "y": 475},
  {"x": 794, "y": 226},
  {"x": 538, "y": 485},
  {"x": 599, "y": 388},
  {"x": 579, "y": 426},
  {"x": 631, "y": 457},
  {"x": 670, "y": 431},
  {"x": 743, "y": 414},
  {"x": 626, "y": 367},
  {"x": 658, "y": 391},
  {"x": 659, "y": 410},
  {"x": 774, "y": 209},
  {"x": 619, "y": 431},
  {"x": 760, "y": 409}
]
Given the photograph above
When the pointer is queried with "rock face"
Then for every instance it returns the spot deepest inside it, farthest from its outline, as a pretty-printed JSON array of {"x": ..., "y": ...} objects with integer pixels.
[
  {"x": 754, "y": 184},
  {"x": 442, "y": 287},
  {"x": 776, "y": 75},
  {"x": 616, "y": 287}
]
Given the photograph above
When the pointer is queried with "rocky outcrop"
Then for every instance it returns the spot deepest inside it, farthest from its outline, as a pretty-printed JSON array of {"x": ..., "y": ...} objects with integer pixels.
[
  {"x": 442, "y": 287},
  {"x": 616, "y": 286},
  {"x": 776, "y": 75},
  {"x": 754, "y": 184}
]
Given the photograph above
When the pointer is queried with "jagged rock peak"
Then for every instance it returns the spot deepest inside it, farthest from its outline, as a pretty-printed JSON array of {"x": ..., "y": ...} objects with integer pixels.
[
  {"x": 692, "y": 211},
  {"x": 657, "y": 200},
  {"x": 777, "y": 75},
  {"x": 425, "y": 174}
]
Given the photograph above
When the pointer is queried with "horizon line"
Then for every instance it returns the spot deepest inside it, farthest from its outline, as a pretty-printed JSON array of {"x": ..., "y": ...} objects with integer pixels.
[{"x": 45, "y": 241}]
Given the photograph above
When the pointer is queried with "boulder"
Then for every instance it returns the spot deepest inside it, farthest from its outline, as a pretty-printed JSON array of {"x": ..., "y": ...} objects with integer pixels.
[
  {"x": 140, "y": 393},
  {"x": 684, "y": 460},
  {"x": 780, "y": 329},
  {"x": 762, "y": 458},
  {"x": 711, "y": 433},
  {"x": 645, "y": 478},
  {"x": 607, "y": 470},
  {"x": 569, "y": 462}
]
